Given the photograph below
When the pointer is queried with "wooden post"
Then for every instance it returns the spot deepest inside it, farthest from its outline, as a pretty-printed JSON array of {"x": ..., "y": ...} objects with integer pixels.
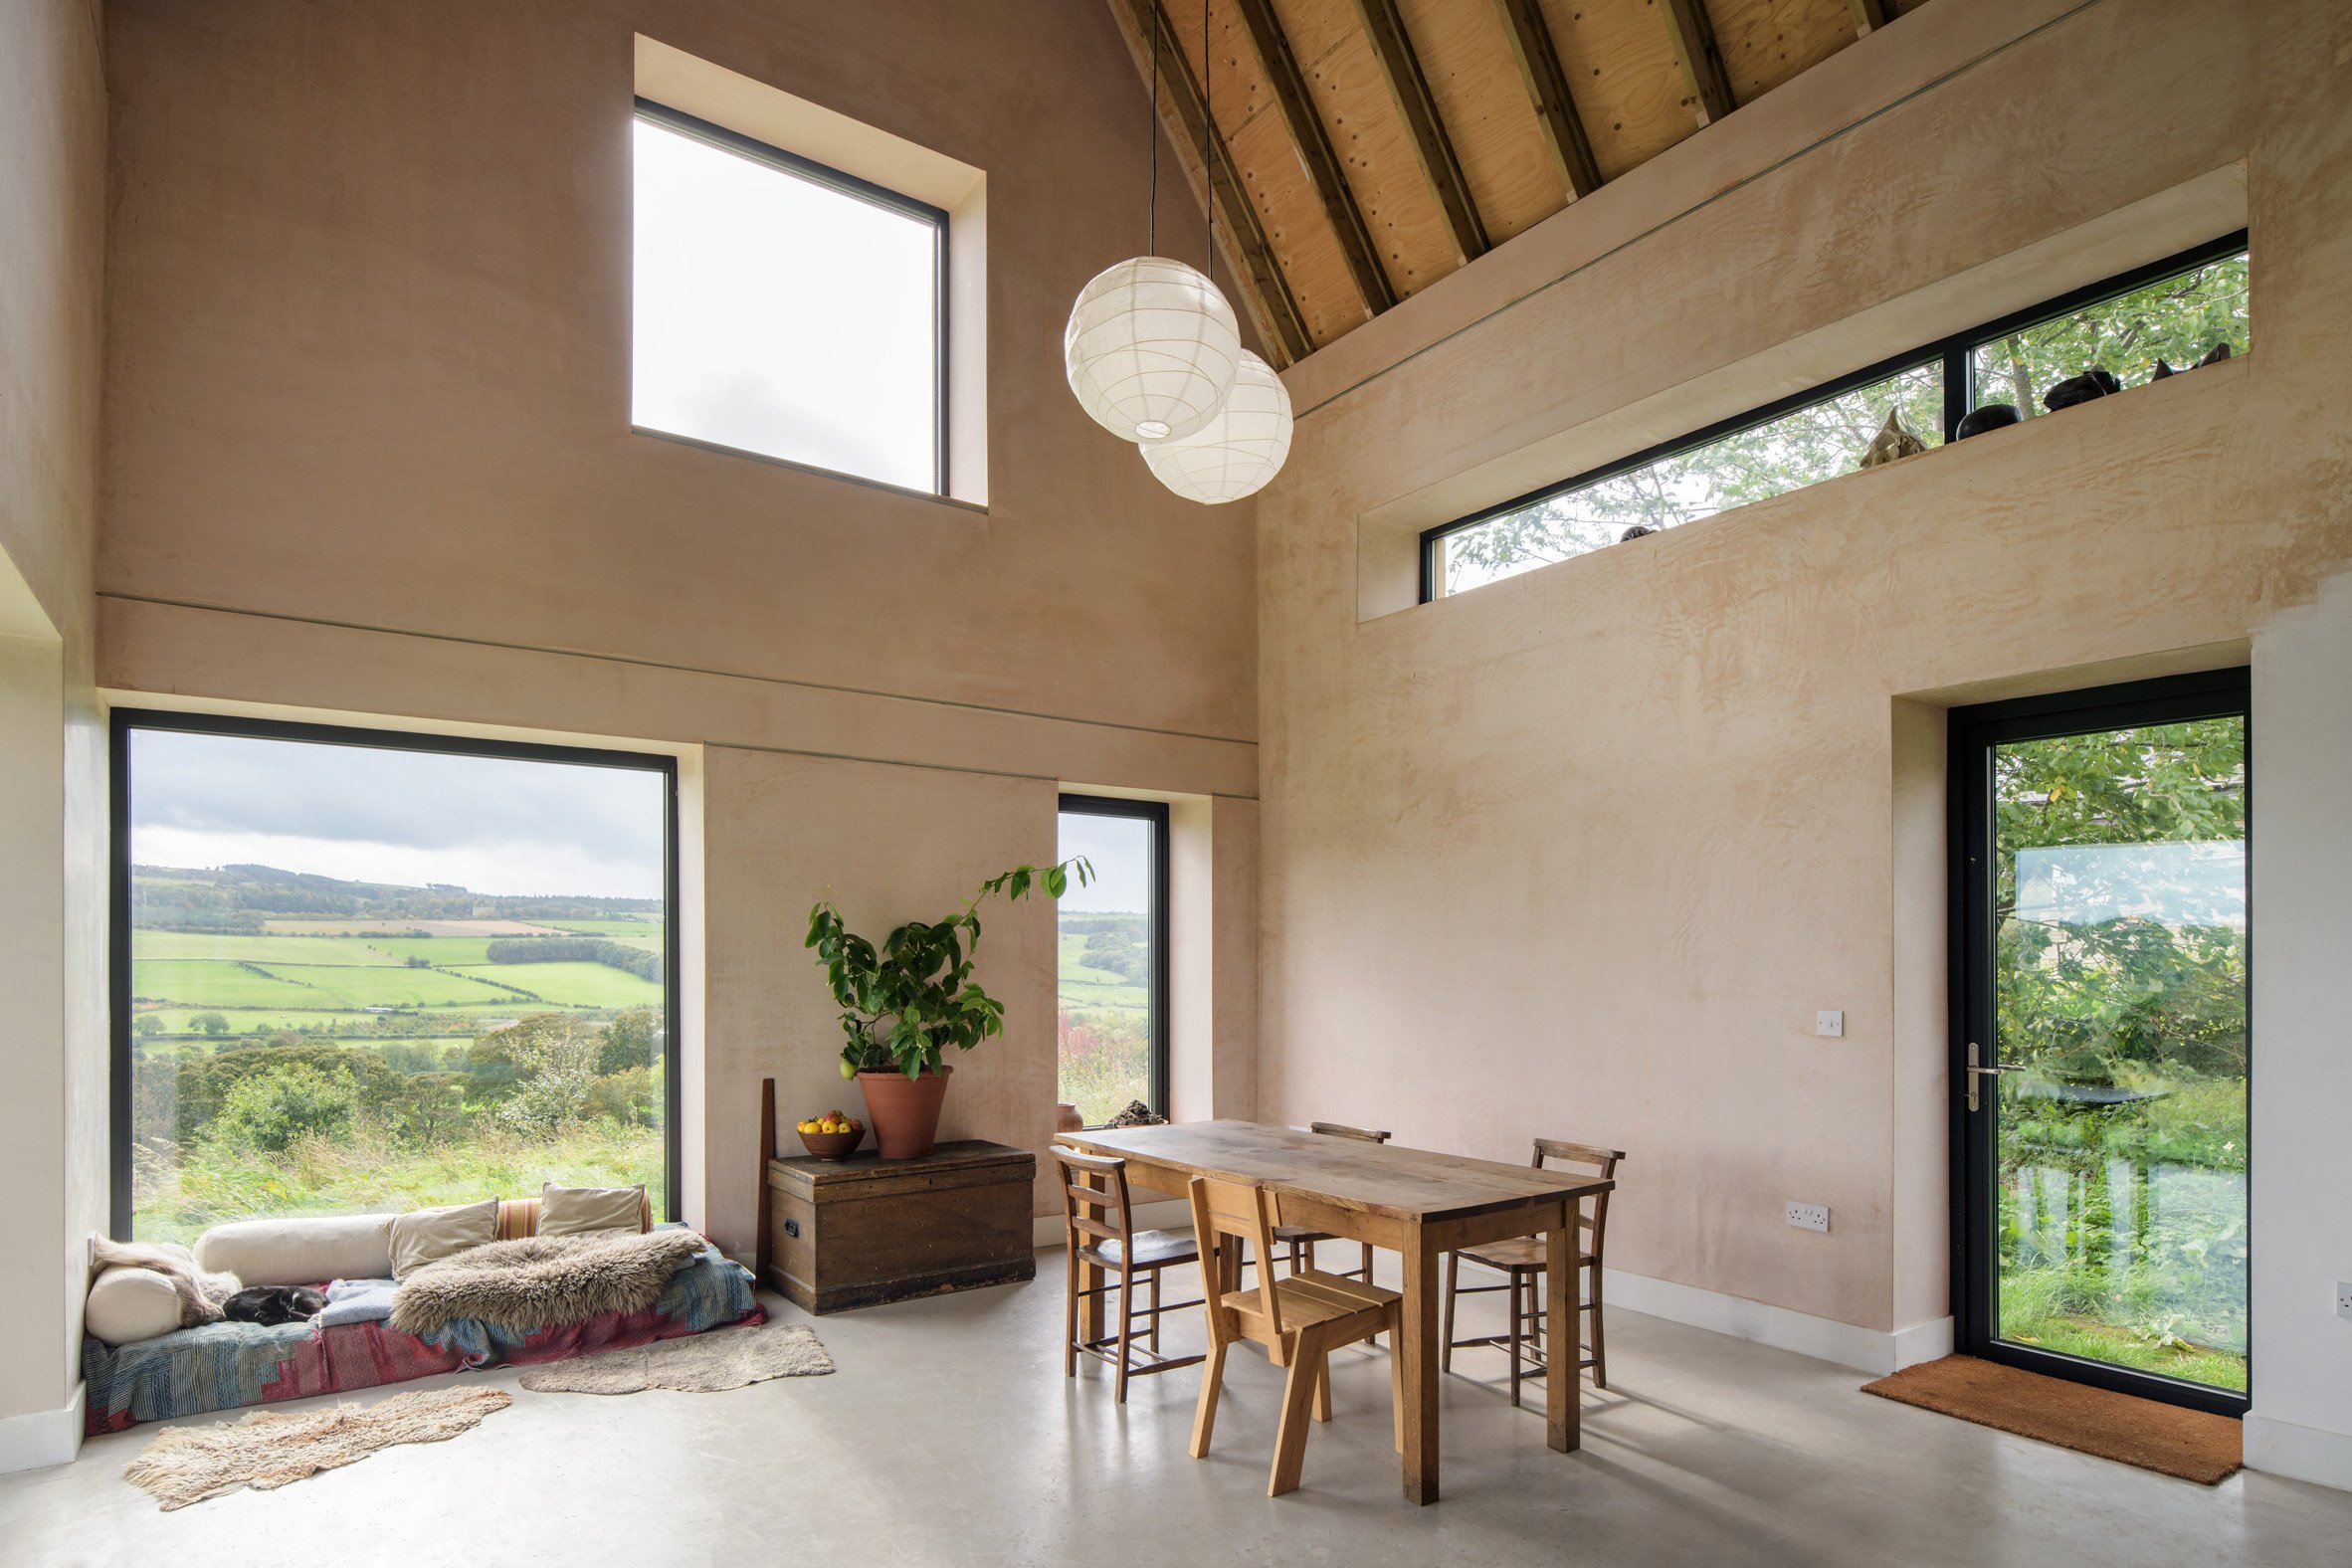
[{"x": 763, "y": 1251}]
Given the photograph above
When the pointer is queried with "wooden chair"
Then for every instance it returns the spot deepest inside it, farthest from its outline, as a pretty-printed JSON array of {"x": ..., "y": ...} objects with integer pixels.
[
  {"x": 1299, "y": 1320},
  {"x": 1521, "y": 1261},
  {"x": 1098, "y": 1224},
  {"x": 1301, "y": 1241}
]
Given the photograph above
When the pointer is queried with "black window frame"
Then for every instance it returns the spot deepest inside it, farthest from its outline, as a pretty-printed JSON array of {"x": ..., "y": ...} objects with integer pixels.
[
  {"x": 1154, "y": 812},
  {"x": 125, "y": 721},
  {"x": 851, "y": 185},
  {"x": 1971, "y": 735},
  {"x": 1956, "y": 352}
]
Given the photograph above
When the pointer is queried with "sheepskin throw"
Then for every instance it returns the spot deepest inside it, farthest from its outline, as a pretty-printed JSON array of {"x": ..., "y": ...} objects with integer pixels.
[
  {"x": 529, "y": 1283},
  {"x": 708, "y": 1363},
  {"x": 202, "y": 1295},
  {"x": 269, "y": 1448}
]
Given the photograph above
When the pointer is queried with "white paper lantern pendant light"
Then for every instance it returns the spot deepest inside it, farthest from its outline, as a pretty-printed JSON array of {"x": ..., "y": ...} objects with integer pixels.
[
  {"x": 1237, "y": 453},
  {"x": 1151, "y": 348}
]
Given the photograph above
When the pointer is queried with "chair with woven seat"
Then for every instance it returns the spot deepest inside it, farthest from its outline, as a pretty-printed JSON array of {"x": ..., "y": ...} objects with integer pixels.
[
  {"x": 1098, "y": 1224},
  {"x": 1301, "y": 1241},
  {"x": 1521, "y": 1262},
  {"x": 1300, "y": 1320}
]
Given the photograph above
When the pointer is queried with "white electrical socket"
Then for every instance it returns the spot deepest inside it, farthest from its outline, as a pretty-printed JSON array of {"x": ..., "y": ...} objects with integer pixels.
[
  {"x": 2344, "y": 1298},
  {"x": 1828, "y": 1023},
  {"x": 1810, "y": 1216}
]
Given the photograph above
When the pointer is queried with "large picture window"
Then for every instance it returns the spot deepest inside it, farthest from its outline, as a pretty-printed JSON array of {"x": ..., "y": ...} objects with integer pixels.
[
  {"x": 786, "y": 308},
  {"x": 1111, "y": 1023},
  {"x": 356, "y": 971}
]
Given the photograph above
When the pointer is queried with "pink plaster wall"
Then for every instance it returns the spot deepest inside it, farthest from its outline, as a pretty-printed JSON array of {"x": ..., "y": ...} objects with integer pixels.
[{"x": 1581, "y": 854}]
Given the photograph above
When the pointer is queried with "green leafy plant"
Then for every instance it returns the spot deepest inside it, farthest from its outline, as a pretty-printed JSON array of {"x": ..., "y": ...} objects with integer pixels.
[{"x": 906, "y": 1001}]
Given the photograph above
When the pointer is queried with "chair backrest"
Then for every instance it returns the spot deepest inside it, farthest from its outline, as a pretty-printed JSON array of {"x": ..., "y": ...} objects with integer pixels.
[
  {"x": 1602, "y": 1163},
  {"x": 1334, "y": 1129},
  {"x": 1223, "y": 1211},
  {"x": 1095, "y": 1198}
]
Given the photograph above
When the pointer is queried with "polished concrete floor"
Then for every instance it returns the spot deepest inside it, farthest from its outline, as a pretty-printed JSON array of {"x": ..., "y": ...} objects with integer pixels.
[{"x": 950, "y": 1436}]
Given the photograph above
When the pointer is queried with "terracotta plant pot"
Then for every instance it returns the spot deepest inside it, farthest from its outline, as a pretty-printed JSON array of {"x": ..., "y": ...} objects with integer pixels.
[
  {"x": 904, "y": 1112},
  {"x": 1066, "y": 1118}
]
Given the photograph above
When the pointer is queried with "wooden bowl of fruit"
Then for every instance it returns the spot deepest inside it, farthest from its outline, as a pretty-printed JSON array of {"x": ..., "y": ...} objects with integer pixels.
[{"x": 831, "y": 1136}]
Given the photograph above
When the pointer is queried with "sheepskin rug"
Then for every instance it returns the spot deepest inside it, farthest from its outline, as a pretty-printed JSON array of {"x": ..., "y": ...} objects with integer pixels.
[
  {"x": 530, "y": 1283},
  {"x": 707, "y": 1364},
  {"x": 202, "y": 1295},
  {"x": 270, "y": 1449}
]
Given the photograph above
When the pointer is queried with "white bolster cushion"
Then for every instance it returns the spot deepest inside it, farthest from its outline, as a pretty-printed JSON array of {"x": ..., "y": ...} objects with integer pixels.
[
  {"x": 301, "y": 1250},
  {"x": 130, "y": 1303}
]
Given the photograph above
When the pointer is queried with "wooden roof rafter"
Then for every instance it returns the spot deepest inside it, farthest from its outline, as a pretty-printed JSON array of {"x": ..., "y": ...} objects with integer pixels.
[
  {"x": 1184, "y": 114},
  {"x": 1695, "y": 51},
  {"x": 1392, "y": 49},
  {"x": 1316, "y": 153},
  {"x": 1547, "y": 91},
  {"x": 1869, "y": 16}
]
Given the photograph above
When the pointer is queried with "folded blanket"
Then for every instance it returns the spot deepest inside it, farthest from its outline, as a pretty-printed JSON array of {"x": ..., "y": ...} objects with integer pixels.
[
  {"x": 538, "y": 1280},
  {"x": 357, "y": 1301}
]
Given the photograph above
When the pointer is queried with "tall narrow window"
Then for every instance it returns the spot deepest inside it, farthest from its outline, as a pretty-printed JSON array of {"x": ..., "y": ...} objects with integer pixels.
[
  {"x": 786, "y": 308},
  {"x": 358, "y": 971},
  {"x": 1112, "y": 1021}
]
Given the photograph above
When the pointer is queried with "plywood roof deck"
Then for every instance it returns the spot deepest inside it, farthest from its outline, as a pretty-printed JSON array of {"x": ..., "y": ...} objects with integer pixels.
[{"x": 1380, "y": 144}]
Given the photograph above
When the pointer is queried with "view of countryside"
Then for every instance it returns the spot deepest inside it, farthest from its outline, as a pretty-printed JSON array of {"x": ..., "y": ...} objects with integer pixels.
[
  {"x": 2121, "y": 1006},
  {"x": 1104, "y": 1019},
  {"x": 367, "y": 979}
]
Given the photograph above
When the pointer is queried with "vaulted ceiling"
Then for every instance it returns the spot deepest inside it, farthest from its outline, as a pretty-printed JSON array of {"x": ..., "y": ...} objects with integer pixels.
[{"x": 1365, "y": 148}]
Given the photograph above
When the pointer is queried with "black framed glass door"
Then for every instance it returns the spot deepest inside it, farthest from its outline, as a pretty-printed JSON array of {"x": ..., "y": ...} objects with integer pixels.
[{"x": 2102, "y": 1037}]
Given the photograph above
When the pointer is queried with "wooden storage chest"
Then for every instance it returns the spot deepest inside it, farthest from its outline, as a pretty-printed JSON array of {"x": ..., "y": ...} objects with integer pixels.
[{"x": 864, "y": 1231}]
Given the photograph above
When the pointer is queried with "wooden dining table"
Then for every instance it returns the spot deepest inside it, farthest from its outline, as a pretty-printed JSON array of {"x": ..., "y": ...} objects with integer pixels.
[{"x": 1417, "y": 1202}]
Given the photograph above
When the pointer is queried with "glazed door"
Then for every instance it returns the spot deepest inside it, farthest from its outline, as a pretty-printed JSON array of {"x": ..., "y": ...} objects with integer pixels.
[{"x": 2102, "y": 1041}]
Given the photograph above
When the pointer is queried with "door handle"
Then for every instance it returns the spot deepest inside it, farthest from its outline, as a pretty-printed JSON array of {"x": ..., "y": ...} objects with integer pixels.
[{"x": 1975, "y": 1073}]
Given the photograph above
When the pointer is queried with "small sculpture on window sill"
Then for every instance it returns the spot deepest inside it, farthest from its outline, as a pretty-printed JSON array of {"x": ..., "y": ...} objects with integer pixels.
[
  {"x": 1892, "y": 442},
  {"x": 2215, "y": 355},
  {"x": 1138, "y": 1114},
  {"x": 1993, "y": 416},
  {"x": 1639, "y": 531},
  {"x": 2097, "y": 382}
]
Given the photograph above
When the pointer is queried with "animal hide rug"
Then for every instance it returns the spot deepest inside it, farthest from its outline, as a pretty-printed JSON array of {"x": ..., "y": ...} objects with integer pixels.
[
  {"x": 202, "y": 1295},
  {"x": 538, "y": 1281}
]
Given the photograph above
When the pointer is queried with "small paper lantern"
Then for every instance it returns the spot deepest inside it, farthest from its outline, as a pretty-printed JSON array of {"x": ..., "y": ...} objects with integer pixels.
[
  {"x": 1151, "y": 349},
  {"x": 1239, "y": 451}
]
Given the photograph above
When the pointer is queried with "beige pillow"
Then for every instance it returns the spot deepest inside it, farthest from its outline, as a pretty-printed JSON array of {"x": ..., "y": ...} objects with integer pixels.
[
  {"x": 433, "y": 1234},
  {"x": 127, "y": 1304},
  {"x": 572, "y": 1211},
  {"x": 302, "y": 1249}
]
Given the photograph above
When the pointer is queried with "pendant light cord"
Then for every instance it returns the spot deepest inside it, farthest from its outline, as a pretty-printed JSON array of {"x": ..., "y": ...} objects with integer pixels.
[
  {"x": 1151, "y": 132},
  {"x": 1209, "y": 139}
]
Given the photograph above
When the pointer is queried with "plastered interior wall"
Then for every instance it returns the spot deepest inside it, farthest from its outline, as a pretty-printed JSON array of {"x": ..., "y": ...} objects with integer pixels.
[
  {"x": 2303, "y": 861},
  {"x": 1582, "y": 853},
  {"x": 52, "y": 766},
  {"x": 367, "y": 452}
]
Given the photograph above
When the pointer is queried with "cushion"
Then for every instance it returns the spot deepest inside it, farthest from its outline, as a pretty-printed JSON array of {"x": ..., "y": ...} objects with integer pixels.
[
  {"x": 300, "y": 1249},
  {"x": 127, "y": 1304},
  {"x": 574, "y": 1211},
  {"x": 433, "y": 1234}
]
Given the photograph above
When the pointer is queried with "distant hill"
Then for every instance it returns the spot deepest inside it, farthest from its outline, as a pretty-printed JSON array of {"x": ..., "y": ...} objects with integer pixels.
[{"x": 238, "y": 899}]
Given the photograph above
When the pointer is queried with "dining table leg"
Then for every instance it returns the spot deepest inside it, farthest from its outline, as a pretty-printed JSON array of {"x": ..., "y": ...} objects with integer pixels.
[
  {"x": 1418, "y": 1347},
  {"x": 1562, "y": 1280}
]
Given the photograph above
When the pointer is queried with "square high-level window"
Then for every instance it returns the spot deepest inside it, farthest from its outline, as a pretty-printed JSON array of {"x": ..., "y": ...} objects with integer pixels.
[{"x": 785, "y": 308}]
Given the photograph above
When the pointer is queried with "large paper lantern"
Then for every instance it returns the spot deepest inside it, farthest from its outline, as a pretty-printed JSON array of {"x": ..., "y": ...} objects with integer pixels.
[
  {"x": 1151, "y": 349},
  {"x": 1238, "y": 452}
]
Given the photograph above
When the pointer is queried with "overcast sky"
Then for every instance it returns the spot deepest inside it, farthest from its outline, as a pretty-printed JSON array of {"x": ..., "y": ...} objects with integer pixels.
[
  {"x": 1120, "y": 850},
  {"x": 486, "y": 824}
]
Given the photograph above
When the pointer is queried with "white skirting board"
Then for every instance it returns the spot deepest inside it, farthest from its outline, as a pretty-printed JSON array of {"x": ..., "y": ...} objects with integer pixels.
[
  {"x": 43, "y": 1438},
  {"x": 2299, "y": 1453},
  {"x": 1825, "y": 1339}
]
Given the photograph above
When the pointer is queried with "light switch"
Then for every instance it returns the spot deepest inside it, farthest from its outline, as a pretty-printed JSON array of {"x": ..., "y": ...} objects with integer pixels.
[{"x": 1828, "y": 1023}]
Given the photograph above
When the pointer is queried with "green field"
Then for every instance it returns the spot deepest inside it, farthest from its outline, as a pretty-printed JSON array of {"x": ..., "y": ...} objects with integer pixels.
[
  {"x": 620, "y": 927},
  {"x": 441, "y": 951},
  {"x": 255, "y": 950},
  {"x": 581, "y": 984},
  {"x": 221, "y": 983}
]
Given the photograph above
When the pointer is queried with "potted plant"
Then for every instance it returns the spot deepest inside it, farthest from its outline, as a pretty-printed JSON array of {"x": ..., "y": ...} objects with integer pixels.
[{"x": 903, "y": 1003}]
